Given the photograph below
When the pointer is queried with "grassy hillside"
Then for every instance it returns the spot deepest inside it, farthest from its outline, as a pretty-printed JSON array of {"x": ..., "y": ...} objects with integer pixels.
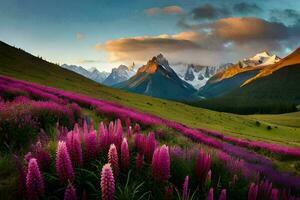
[{"x": 21, "y": 65}]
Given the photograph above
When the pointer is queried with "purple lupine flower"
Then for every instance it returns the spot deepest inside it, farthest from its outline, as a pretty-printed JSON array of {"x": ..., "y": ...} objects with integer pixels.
[
  {"x": 161, "y": 164},
  {"x": 74, "y": 146},
  {"x": 185, "y": 193},
  {"x": 252, "y": 193},
  {"x": 264, "y": 190},
  {"x": 223, "y": 195},
  {"x": 107, "y": 183},
  {"x": 64, "y": 169},
  {"x": 113, "y": 159},
  {"x": 155, "y": 162},
  {"x": 202, "y": 166},
  {"x": 70, "y": 192},
  {"x": 164, "y": 163},
  {"x": 168, "y": 193},
  {"x": 91, "y": 146},
  {"x": 124, "y": 154},
  {"x": 103, "y": 137},
  {"x": 136, "y": 128},
  {"x": 34, "y": 182},
  {"x": 210, "y": 195},
  {"x": 150, "y": 146},
  {"x": 118, "y": 135},
  {"x": 139, "y": 161},
  {"x": 274, "y": 194}
]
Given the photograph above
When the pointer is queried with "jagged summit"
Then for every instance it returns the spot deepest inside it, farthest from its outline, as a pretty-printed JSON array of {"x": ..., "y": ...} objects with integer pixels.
[{"x": 157, "y": 62}]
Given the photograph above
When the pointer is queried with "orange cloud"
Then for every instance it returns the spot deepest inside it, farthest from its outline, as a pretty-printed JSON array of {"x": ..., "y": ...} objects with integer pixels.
[{"x": 164, "y": 10}]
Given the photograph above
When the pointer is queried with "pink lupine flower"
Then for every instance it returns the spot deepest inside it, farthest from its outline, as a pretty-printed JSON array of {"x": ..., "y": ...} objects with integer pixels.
[
  {"x": 91, "y": 145},
  {"x": 252, "y": 193},
  {"x": 210, "y": 195},
  {"x": 164, "y": 163},
  {"x": 34, "y": 182},
  {"x": 185, "y": 193},
  {"x": 202, "y": 166},
  {"x": 168, "y": 193},
  {"x": 103, "y": 137},
  {"x": 139, "y": 161},
  {"x": 223, "y": 195},
  {"x": 113, "y": 159},
  {"x": 74, "y": 146},
  {"x": 161, "y": 164},
  {"x": 274, "y": 194},
  {"x": 107, "y": 183},
  {"x": 136, "y": 128},
  {"x": 118, "y": 136},
  {"x": 70, "y": 193},
  {"x": 150, "y": 146},
  {"x": 124, "y": 154},
  {"x": 64, "y": 169},
  {"x": 155, "y": 162}
]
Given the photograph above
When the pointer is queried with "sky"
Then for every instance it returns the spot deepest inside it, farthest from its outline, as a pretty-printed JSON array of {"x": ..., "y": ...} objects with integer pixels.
[{"x": 107, "y": 33}]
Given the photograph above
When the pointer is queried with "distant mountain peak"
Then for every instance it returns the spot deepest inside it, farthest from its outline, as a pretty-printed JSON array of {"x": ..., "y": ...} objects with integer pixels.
[{"x": 157, "y": 62}]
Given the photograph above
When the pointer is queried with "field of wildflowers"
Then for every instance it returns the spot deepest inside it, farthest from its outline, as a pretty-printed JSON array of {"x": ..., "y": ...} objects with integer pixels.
[{"x": 122, "y": 159}]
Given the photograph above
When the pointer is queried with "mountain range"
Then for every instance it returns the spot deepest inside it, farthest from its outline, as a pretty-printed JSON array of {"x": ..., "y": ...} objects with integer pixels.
[
  {"x": 158, "y": 79},
  {"x": 92, "y": 73}
]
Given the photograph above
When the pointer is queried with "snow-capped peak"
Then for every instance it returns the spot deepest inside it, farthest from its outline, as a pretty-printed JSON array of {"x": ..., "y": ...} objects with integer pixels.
[{"x": 261, "y": 59}]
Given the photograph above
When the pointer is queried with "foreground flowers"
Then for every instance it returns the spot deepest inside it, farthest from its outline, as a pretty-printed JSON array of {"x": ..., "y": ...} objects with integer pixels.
[
  {"x": 34, "y": 181},
  {"x": 64, "y": 169},
  {"x": 107, "y": 183}
]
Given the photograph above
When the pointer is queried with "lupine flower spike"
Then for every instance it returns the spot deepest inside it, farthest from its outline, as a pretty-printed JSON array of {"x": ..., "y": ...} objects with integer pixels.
[
  {"x": 210, "y": 195},
  {"x": 70, "y": 192},
  {"x": 34, "y": 182},
  {"x": 64, "y": 169},
  {"x": 185, "y": 193},
  {"x": 107, "y": 183},
  {"x": 223, "y": 195},
  {"x": 113, "y": 159},
  {"x": 124, "y": 154}
]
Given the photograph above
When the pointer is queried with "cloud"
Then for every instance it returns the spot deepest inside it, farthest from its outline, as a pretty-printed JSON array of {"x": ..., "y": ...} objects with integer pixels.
[
  {"x": 86, "y": 61},
  {"x": 209, "y": 43},
  {"x": 209, "y": 11},
  {"x": 80, "y": 36},
  {"x": 246, "y": 8},
  {"x": 290, "y": 15},
  {"x": 164, "y": 10}
]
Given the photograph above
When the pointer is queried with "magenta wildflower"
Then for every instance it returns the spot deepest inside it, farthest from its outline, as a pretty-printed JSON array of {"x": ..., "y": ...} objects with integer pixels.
[
  {"x": 185, "y": 193},
  {"x": 223, "y": 195},
  {"x": 252, "y": 193},
  {"x": 118, "y": 135},
  {"x": 34, "y": 182},
  {"x": 210, "y": 195},
  {"x": 161, "y": 164},
  {"x": 103, "y": 137},
  {"x": 113, "y": 159},
  {"x": 202, "y": 166},
  {"x": 91, "y": 145},
  {"x": 64, "y": 169},
  {"x": 274, "y": 194},
  {"x": 150, "y": 146},
  {"x": 136, "y": 128},
  {"x": 74, "y": 146},
  {"x": 70, "y": 192},
  {"x": 124, "y": 154},
  {"x": 107, "y": 183},
  {"x": 155, "y": 162},
  {"x": 139, "y": 161}
]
